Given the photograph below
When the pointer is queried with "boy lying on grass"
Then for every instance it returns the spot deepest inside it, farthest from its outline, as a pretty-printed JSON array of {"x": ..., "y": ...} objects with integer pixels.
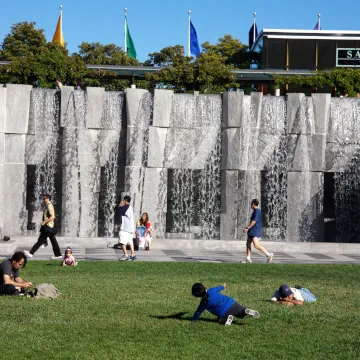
[
  {"x": 293, "y": 296},
  {"x": 222, "y": 306}
]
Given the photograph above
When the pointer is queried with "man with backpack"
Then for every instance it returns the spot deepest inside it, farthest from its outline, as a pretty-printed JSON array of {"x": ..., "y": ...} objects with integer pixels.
[
  {"x": 47, "y": 230},
  {"x": 289, "y": 296}
]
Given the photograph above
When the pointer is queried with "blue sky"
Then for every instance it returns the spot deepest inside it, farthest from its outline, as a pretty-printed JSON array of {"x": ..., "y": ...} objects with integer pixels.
[{"x": 156, "y": 24}]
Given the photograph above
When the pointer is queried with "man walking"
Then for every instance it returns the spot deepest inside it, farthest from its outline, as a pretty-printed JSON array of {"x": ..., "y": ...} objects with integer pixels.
[
  {"x": 254, "y": 232},
  {"x": 127, "y": 227},
  {"x": 46, "y": 231}
]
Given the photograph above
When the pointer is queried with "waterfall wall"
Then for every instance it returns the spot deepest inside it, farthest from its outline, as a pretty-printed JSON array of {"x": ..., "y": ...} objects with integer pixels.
[{"x": 192, "y": 162}]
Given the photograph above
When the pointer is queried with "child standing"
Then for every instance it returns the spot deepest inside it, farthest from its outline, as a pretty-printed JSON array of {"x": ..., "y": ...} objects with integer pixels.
[
  {"x": 69, "y": 258},
  {"x": 222, "y": 306}
]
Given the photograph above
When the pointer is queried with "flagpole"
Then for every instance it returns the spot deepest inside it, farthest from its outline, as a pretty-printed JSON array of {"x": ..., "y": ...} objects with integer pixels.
[
  {"x": 319, "y": 27},
  {"x": 254, "y": 28},
  {"x": 125, "y": 45},
  {"x": 189, "y": 52},
  {"x": 61, "y": 33}
]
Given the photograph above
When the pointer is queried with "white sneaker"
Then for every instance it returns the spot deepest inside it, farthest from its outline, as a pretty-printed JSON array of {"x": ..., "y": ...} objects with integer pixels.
[
  {"x": 56, "y": 257},
  {"x": 253, "y": 313},
  {"x": 27, "y": 253},
  {"x": 248, "y": 260},
  {"x": 229, "y": 320},
  {"x": 124, "y": 258},
  {"x": 270, "y": 257}
]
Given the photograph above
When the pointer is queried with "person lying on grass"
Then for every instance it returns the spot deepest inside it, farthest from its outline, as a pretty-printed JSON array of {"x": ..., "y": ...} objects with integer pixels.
[
  {"x": 289, "y": 296},
  {"x": 222, "y": 306},
  {"x": 69, "y": 259}
]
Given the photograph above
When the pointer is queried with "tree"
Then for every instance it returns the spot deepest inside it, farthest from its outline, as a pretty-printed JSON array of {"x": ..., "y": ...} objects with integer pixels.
[
  {"x": 226, "y": 47},
  {"x": 168, "y": 56},
  {"x": 98, "y": 54},
  {"x": 24, "y": 39}
]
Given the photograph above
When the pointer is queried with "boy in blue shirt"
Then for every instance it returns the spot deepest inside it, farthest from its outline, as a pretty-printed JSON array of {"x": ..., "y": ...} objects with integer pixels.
[
  {"x": 254, "y": 232},
  {"x": 222, "y": 306}
]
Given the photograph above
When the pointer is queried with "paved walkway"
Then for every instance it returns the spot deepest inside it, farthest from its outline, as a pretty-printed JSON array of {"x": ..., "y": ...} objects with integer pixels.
[{"x": 110, "y": 253}]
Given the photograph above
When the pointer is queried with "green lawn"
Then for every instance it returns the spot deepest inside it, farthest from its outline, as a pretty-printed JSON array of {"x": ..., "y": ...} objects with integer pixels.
[{"x": 111, "y": 310}]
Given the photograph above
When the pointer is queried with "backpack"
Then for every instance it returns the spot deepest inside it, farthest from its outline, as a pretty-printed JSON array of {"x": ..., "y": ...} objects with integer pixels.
[
  {"x": 46, "y": 291},
  {"x": 140, "y": 236}
]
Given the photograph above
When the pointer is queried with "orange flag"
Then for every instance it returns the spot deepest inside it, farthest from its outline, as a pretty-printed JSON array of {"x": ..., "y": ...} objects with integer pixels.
[{"x": 59, "y": 35}]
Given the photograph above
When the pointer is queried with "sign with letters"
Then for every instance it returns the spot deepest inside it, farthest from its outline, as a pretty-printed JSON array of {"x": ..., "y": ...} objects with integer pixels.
[{"x": 347, "y": 57}]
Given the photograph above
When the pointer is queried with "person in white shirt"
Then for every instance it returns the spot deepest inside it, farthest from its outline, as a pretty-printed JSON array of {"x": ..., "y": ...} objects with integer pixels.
[{"x": 290, "y": 296}]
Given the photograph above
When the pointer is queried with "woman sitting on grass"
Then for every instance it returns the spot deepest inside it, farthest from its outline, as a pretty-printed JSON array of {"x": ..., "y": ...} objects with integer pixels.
[
  {"x": 69, "y": 258},
  {"x": 222, "y": 306},
  {"x": 144, "y": 230}
]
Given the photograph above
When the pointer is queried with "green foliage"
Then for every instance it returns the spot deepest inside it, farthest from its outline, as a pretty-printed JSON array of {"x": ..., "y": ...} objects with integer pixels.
[
  {"x": 344, "y": 80},
  {"x": 99, "y": 54},
  {"x": 168, "y": 56},
  {"x": 227, "y": 46},
  {"x": 148, "y": 306}
]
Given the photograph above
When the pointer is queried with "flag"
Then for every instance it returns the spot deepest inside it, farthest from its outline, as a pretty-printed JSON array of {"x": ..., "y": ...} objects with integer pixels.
[
  {"x": 129, "y": 45},
  {"x": 253, "y": 34},
  {"x": 317, "y": 26},
  {"x": 194, "y": 43},
  {"x": 59, "y": 35}
]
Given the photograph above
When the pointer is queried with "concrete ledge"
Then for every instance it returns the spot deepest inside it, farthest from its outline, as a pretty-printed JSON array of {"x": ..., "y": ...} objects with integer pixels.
[{"x": 231, "y": 246}]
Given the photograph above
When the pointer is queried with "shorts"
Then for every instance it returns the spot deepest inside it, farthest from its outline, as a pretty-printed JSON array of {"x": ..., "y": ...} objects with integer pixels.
[{"x": 125, "y": 238}]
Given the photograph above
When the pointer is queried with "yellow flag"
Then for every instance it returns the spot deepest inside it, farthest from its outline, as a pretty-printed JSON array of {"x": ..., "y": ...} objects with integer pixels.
[{"x": 59, "y": 35}]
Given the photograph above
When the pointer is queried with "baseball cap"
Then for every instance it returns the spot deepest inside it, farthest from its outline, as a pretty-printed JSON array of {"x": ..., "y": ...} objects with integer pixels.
[{"x": 285, "y": 291}]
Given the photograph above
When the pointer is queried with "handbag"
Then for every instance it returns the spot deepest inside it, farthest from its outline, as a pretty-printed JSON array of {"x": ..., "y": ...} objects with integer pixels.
[{"x": 48, "y": 230}]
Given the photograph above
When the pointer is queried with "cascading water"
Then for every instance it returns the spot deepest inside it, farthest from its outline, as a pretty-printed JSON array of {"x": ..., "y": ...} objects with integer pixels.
[
  {"x": 195, "y": 194},
  {"x": 46, "y": 123},
  {"x": 345, "y": 117},
  {"x": 111, "y": 123},
  {"x": 275, "y": 194}
]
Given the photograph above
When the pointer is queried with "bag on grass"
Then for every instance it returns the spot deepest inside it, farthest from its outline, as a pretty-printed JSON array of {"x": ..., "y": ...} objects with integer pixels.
[{"x": 46, "y": 291}]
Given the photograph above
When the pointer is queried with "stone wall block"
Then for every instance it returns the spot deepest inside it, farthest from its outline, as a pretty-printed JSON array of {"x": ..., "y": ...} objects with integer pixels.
[
  {"x": 109, "y": 141},
  {"x": 317, "y": 154},
  {"x": 64, "y": 101},
  {"x": 133, "y": 105},
  {"x": 17, "y": 108},
  {"x": 162, "y": 107},
  {"x": 321, "y": 103},
  {"x": 179, "y": 148},
  {"x": 256, "y": 108},
  {"x": 2, "y": 108},
  {"x": 15, "y": 148},
  {"x": 229, "y": 204},
  {"x": 293, "y": 108},
  {"x": 299, "y": 153},
  {"x": 156, "y": 149},
  {"x": 232, "y": 109},
  {"x": 235, "y": 149},
  {"x": 134, "y": 176},
  {"x": 94, "y": 107},
  {"x": 155, "y": 199},
  {"x": 14, "y": 198},
  {"x": 2, "y": 148},
  {"x": 135, "y": 146}
]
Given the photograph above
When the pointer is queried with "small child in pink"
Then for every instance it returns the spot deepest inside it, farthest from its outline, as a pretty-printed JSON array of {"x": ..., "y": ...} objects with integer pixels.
[{"x": 69, "y": 259}]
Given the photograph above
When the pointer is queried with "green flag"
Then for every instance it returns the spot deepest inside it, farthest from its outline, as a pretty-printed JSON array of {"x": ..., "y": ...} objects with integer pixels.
[{"x": 130, "y": 48}]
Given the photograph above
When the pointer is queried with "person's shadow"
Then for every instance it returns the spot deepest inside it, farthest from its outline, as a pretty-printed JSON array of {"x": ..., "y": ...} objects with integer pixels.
[{"x": 180, "y": 316}]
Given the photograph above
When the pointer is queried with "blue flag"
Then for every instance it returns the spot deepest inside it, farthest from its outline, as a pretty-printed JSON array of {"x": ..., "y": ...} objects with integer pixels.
[
  {"x": 194, "y": 43},
  {"x": 317, "y": 27}
]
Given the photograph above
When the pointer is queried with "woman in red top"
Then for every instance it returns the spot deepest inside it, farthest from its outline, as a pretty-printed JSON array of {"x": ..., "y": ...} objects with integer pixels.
[{"x": 144, "y": 221}]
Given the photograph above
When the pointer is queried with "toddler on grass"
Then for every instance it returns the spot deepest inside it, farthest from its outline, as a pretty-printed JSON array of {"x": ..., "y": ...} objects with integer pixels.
[{"x": 69, "y": 259}]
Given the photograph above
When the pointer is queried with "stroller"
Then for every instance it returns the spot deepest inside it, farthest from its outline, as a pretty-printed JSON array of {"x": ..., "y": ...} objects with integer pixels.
[{"x": 141, "y": 232}]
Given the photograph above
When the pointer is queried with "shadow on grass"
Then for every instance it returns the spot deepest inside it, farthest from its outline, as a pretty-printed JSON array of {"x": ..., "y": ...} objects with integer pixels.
[{"x": 180, "y": 316}]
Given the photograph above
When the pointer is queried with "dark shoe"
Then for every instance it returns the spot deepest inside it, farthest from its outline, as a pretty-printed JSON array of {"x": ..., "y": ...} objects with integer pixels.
[{"x": 133, "y": 257}]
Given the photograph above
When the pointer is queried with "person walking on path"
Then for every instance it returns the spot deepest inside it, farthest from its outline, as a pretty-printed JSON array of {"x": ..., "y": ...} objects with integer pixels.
[
  {"x": 254, "y": 232},
  {"x": 10, "y": 281},
  {"x": 127, "y": 227},
  {"x": 222, "y": 306},
  {"x": 46, "y": 231}
]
